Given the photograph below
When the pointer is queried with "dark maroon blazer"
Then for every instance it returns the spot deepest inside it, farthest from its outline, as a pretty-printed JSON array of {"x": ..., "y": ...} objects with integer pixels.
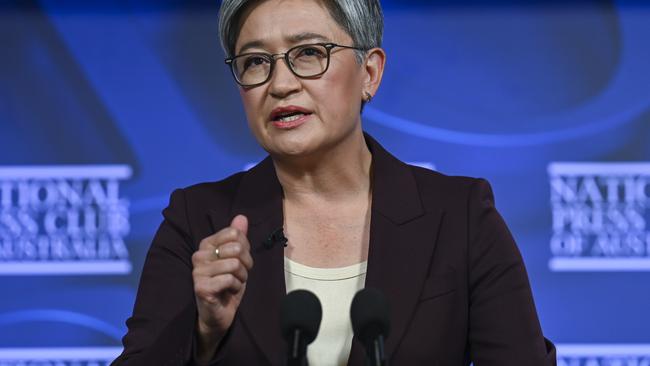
[{"x": 439, "y": 251}]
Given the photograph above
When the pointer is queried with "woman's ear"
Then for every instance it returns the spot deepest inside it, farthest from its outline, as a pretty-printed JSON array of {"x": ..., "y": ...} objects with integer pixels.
[{"x": 374, "y": 70}]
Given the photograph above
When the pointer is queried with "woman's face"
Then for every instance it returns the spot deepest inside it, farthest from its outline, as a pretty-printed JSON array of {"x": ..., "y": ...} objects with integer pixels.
[{"x": 330, "y": 102}]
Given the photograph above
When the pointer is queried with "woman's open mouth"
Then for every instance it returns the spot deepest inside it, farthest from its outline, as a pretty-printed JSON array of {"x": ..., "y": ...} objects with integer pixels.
[{"x": 289, "y": 117}]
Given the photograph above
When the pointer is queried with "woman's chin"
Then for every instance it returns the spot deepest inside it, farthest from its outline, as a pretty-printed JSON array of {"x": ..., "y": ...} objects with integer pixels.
[
  {"x": 291, "y": 152},
  {"x": 292, "y": 144},
  {"x": 291, "y": 149}
]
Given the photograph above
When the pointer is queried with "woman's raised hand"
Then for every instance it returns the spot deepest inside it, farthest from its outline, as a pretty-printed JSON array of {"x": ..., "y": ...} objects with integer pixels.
[{"x": 221, "y": 266}]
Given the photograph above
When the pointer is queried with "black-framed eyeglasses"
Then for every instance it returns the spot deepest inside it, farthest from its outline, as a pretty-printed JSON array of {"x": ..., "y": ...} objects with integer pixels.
[{"x": 304, "y": 61}]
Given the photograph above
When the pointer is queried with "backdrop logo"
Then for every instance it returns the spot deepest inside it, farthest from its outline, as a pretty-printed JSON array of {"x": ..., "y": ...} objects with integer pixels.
[
  {"x": 603, "y": 355},
  {"x": 63, "y": 220},
  {"x": 101, "y": 356},
  {"x": 600, "y": 216}
]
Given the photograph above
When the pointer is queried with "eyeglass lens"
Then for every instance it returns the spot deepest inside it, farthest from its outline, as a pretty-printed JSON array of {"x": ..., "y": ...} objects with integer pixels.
[{"x": 304, "y": 61}]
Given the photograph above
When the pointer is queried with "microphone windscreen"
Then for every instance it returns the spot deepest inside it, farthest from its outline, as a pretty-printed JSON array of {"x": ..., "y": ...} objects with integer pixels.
[
  {"x": 301, "y": 309},
  {"x": 370, "y": 315}
]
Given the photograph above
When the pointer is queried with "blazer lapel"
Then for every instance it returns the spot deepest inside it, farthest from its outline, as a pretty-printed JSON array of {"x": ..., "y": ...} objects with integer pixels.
[
  {"x": 259, "y": 197},
  {"x": 402, "y": 242}
]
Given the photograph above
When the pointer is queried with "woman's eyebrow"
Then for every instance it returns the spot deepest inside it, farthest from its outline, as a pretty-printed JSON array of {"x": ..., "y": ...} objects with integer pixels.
[
  {"x": 292, "y": 39},
  {"x": 252, "y": 44},
  {"x": 306, "y": 36}
]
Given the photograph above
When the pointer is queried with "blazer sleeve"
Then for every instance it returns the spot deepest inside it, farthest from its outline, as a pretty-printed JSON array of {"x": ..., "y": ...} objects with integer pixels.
[
  {"x": 161, "y": 329},
  {"x": 504, "y": 329}
]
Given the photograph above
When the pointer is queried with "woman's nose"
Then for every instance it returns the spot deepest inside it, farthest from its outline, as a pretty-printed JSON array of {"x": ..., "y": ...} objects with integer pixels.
[{"x": 283, "y": 81}]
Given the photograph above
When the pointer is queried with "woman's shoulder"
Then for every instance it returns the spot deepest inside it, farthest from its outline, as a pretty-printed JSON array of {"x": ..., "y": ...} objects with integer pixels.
[
  {"x": 438, "y": 178},
  {"x": 204, "y": 196},
  {"x": 226, "y": 187},
  {"x": 432, "y": 185},
  {"x": 438, "y": 187}
]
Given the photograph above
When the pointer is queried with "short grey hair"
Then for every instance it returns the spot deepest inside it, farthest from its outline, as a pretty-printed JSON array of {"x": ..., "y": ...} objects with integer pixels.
[{"x": 363, "y": 20}]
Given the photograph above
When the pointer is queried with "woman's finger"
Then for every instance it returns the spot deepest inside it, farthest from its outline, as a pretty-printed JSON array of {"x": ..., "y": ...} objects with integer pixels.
[
  {"x": 209, "y": 288},
  {"x": 235, "y": 250},
  {"x": 232, "y": 266},
  {"x": 224, "y": 235}
]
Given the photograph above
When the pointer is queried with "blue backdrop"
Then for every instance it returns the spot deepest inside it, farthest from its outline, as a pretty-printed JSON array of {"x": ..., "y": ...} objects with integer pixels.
[{"x": 107, "y": 106}]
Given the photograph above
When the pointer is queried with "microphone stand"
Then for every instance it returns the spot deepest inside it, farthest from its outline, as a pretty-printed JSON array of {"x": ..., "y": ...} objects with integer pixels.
[
  {"x": 375, "y": 353},
  {"x": 298, "y": 350}
]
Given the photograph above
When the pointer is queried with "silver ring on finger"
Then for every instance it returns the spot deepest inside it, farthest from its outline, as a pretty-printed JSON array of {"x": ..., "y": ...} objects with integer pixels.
[{"x": 216, "y": 253}]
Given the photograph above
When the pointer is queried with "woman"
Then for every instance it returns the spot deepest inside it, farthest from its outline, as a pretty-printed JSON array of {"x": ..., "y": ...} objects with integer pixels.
[{"x": 352, "y": 214}]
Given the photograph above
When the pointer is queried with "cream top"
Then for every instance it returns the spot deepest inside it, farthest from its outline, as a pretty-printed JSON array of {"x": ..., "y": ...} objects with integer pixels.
[{"x": 335, "y": 288}]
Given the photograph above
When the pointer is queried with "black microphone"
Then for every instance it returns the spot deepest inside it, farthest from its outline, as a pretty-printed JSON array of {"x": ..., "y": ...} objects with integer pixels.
[
  {"x": 300, "y": 320},
  {"x": 369, "y": 315},
  {"x": 275, "y": 238}
]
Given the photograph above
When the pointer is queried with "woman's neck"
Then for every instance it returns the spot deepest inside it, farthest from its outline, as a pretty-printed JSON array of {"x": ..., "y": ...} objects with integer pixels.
[{"x": 334, "y": 175}]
